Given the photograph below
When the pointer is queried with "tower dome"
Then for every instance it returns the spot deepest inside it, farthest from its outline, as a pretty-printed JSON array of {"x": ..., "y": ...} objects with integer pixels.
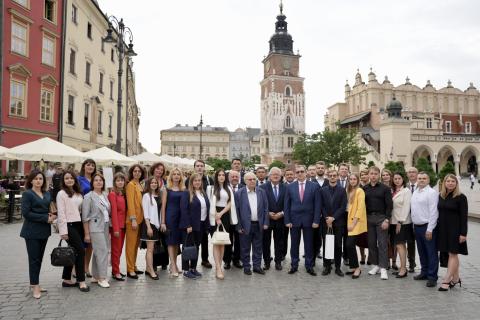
[
  {"x": 281, "y": 41},
  {"x": 394, "y": 108}
]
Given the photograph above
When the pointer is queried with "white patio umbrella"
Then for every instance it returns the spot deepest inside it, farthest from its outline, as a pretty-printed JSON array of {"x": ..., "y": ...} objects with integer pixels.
[
  {"x": 3, "y": 153},
  {"x": 147, "y": 158},
  {"x": 106, "y": 156},
  {"x": 45, "y": 149}
]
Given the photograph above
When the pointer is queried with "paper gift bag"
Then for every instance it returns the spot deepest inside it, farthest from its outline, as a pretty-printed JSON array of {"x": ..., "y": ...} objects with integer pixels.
[{"x": 329, "y": 245}]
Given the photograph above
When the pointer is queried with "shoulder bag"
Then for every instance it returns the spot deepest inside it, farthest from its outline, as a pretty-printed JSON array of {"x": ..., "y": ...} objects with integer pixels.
[
  {"x": 62, "y": 256},
  {"x": 189, "y": 252},
  {"x": 221, "y": 237}
]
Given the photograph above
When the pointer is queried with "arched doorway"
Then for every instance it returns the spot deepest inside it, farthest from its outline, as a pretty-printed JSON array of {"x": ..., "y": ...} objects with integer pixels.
[
  {"x": 468, "y": 161},
  {"x": 446, "y": 154},
  {"x": 422, "y": 152}
]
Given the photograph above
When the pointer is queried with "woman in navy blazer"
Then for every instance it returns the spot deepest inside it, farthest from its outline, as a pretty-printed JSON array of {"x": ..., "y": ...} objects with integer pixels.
[
  {"x": 194, "y": 207},
  {"x": 36, "y": 225}
]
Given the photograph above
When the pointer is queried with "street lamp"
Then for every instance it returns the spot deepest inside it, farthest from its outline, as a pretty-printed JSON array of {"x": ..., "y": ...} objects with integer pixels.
[
  {"x": 123, "y": 50},
  {"x": 201, "y": 131}
]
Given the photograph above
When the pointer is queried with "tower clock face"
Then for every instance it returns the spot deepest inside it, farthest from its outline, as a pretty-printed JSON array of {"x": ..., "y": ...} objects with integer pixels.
[
  {"x": 286, "y": 63},
  {"x": 267, "y": 65}
]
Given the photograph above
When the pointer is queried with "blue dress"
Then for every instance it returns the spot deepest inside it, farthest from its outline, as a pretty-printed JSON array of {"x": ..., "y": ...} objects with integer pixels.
[
  {"x": 172, "y": 217},
  {"x": 84, "y": 185}
]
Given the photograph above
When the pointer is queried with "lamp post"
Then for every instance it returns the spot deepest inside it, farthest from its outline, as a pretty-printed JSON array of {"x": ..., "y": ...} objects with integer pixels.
[
  {"x": 123, "y": 50},
  {"x": 201, "y": 132}
]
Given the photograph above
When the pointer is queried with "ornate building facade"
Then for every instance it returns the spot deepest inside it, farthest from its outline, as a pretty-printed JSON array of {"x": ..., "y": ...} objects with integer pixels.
[
  {"x": 282, "y": 97},
  {"x": 438, "y": 124},
  {"x": 244, "y": 143}
]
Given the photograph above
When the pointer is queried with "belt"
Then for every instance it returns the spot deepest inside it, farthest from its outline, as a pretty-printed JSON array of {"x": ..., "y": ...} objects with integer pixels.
[
  {"x": 254, "y": 222},
  {"x": 375, "y": 213},
  {"x": 421, "y": 225}
]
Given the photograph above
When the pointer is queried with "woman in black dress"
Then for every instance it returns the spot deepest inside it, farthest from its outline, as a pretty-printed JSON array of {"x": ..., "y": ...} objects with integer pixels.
[{"x": 452, "y": 228}]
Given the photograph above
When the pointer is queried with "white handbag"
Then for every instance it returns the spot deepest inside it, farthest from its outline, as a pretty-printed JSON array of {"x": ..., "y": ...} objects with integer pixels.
[
  {"x": 221, "y": 237},
  {"x": 329, "y": 244}
]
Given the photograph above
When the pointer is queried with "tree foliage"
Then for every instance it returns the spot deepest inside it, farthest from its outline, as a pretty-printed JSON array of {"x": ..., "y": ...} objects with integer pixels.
[
  {"x": 423, "y": 165},
  {"x": 277, "y": 163},
  {"x": 397, "y": 166},
  {"x": 333, "y": 147},
  {"x": 370, "y": 164},
  {"x": 218, "y": 163},
  {"x": 447, "y": 168}
]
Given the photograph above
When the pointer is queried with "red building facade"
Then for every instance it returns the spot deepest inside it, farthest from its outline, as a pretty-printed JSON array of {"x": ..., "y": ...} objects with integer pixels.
[{"x": 30, "y": 71}]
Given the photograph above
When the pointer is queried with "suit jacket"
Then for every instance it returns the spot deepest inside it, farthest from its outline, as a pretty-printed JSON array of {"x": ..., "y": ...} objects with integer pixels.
[
  {"x": 244, "y": 212},
  {"x": 191, "y": 212},
  {"x": 273, "y": 204},
  {"x": 334, "y": 205},
  {"x": 134, "y": 201},
  {"x": 325, "y": 182},
  {"x": 206, "y": 181},
  {"x": 35, "y": 215},
  {"x": 302, "y": 213},
  {"x": 92, "y": 212}
]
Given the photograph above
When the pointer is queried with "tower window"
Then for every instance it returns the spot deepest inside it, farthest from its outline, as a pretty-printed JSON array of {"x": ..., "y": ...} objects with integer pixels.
[
  {"x": 288, "y": 122},
  {"x": 429, "y": 123},
  {"x": 290, "y": 142},
  {"x": 468, "y": 127},
  {"x": 448, "y": 126},
  {"x": 288, "y": 91}
]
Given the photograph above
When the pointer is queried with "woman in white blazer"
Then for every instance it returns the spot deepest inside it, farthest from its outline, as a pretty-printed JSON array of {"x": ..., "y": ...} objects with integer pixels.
[
  {"x": 222, "y": 213},
  {"x": 401, "y": 229}
]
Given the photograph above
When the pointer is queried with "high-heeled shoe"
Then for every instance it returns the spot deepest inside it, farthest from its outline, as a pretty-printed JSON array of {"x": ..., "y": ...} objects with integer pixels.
[
  {"x": 220, "y": 276},
  {"x": 445, "y": 289},
  {"x": 356, "y": 276},
  {"x": 453, "y": 284}
]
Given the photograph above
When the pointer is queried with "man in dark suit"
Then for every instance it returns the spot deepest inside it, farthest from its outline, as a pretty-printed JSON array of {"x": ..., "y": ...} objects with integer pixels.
[
  {"x": 302, "y": 210},
  {"x": 334, "y": 199},
  {"x": 343, "y": 172},
  {"x": 317, "y": 235},
  {"x": 275, "y": 191},
  {"x": 261, "y": 173},
  {"x": 252, "y": 210},
  {"x": 232, "y": 252},
  {"x": 199, "y": 167}
]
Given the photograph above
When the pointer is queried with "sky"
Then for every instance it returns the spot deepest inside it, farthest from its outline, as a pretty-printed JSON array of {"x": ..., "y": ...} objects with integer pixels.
[{"x": 204, "y": 57}]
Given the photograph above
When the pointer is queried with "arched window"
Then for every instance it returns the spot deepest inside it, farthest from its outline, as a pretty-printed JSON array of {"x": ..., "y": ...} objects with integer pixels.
[
  {"x": 288, "y": 122},
  {"x": 288, "y": 91}
]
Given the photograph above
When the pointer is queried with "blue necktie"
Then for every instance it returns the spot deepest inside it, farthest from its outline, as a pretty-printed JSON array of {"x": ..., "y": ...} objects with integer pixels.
[{"x": 275, "y": 192}]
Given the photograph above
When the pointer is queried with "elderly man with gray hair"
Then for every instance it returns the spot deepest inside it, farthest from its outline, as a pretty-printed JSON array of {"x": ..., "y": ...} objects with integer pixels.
[{"x": 275, "y": 191}]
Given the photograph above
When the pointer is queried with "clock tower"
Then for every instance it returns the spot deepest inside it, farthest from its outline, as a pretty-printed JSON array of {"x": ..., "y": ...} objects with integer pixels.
[{"x": 282, "y": 97}]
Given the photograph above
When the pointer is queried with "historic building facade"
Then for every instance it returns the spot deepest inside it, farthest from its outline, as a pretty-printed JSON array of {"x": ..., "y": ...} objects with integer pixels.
[
  {"x": 90, "y": 89},
  {"x": 184, "y": 142},
  {"x": 30, "y": 74},
  {"x": 244, "y": 143},
  {"x": 282, "y": 97},
  {"x": 438, "y": 124}
]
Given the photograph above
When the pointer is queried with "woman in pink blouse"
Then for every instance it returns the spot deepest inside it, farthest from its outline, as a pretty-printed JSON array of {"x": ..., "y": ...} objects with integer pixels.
[{"x": 69, "y": 202}]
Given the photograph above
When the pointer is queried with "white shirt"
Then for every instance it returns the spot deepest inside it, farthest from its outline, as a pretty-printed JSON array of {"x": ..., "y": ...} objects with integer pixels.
[
  {"x": 150, "y": 209},
  {"x": 472, "y": 178},
  {"x": 234, "y": 188},
  {"x": 343, "y": 182},
  {"x": 409, "y": 186},
  {"x": 424, "y": 207},
  {"x": 252, "y": 200},
  {"x": 222, "y": 202},
  {"x": 105, "y": 207},
  {"x": 203, "y": 204},
  {"x": 320, "y": 180},
  {"x": 260, "y": 182}
]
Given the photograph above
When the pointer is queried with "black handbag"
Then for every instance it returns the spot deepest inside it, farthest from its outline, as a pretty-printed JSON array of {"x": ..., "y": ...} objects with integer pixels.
[
  {"x": 189, "y": 252},
  {"x": 62, "y": 256}
]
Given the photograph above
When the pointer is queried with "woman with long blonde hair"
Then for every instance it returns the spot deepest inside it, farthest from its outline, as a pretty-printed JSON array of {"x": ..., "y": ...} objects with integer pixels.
[{"x": 171, "y": 215}]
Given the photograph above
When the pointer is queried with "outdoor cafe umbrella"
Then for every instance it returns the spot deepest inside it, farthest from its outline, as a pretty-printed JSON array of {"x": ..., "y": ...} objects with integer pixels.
[
  {"x": 147, "y": 158},
  {"x": 3, "y": 152},
  {"x": 106, "y": 156},
  {"x": 45, "y": 149}
]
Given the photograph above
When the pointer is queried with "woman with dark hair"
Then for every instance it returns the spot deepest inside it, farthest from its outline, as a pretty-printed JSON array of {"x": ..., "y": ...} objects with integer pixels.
[
  {"x": 69, "y": 204},
  {"x": 96, "y": 217},
  {"x": 171, "y": 216},
  {"x": 35, "y": 207},
  {"x": 134, "y": 190},
  {"x": 158, "y": 171},
  {"x": 194, "y": 207},
  {"x": 387, "y": 179},
  {"x": 452, "y": 229},
  {"x": 119, "y": 215},
  {"x": 401, "y": 228},
  {"x": 222, "y": 212},
  {"x": 88, "y": 168}
]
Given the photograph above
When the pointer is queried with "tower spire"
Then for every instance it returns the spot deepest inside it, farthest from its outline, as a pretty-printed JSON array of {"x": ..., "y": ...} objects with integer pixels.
[{"x": 281, "y": 7}]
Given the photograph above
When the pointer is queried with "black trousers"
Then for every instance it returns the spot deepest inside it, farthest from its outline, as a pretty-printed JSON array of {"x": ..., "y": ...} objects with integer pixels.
[
  {"x": 317, "y": 241},
  {"x": 286, "y": 231},
  {"x": 35, "y": 251},
  {"x": 276, "y": 227},
  {"x": 205, "y": 246},
  {"x": 338, "y": 232},
  {"x": 75, "y": 240},
  {"x": 352, "y": 252},
  {"x": 411, "y": 253},
  {"x": 195, "y": 238},
  {"x": 232, "y": 252}
]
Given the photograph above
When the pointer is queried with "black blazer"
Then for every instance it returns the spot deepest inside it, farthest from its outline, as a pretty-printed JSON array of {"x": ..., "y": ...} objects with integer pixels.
[
  {"x": 334, "y": 205},
  {"x": 325, "y": 182},
  {"x": 191, "y": 213},
  {"x": 274, "y": 205},
  {"x": 35, "y": 215}
]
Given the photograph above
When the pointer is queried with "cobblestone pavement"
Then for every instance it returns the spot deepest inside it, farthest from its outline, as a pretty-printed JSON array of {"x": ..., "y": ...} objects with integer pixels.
[
  {"x": 276, "y": 295},
  {"x": 473, "y": 195}
]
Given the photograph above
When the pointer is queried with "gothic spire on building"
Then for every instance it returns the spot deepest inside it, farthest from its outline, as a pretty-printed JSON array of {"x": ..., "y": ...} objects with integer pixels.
[{"x": 281, "y": 41}]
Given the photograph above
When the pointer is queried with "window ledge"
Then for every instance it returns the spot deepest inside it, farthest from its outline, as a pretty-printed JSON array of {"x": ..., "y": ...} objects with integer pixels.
[
  {"x": 47, "y": 122},
  {"x": 14, "y": 116}
]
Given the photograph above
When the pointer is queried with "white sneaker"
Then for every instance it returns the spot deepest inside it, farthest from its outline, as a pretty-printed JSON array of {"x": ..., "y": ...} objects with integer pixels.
[
  {"x": 374, "y": 270},
  {"x": 104, "y": 284},
  {"x": 383, "y": 274}
]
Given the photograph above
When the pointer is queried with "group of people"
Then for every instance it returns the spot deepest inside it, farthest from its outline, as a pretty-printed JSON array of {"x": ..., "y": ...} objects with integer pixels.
[{"x": 383, "y": 212}]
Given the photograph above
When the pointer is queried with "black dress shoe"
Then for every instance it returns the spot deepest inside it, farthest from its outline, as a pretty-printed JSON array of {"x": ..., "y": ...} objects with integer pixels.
[
  {"x": 356, "y": 276},
  {"x": 123, "y": 274},
  {"x": 431, "y": 283},
  {"x": 278, "y": 266},
  {"x": 84, "y": 289},
  {"x": 206, "y": 264},
  {"x": 118, "y": 278},
  {"x": 267, "y": 266},
  {"x": 152, "y": 277},
  {"x": 69, "y": 285},
  {"x": 292, "y": 270},
  {"x": 238, "y": 264},
  {"x": 311, "y": 272},
  {"x": 259, "y": 271},
  {"x": 227, "y": 266},
  {"x": 326, "y": 271},
  {"x": 339, "y": 272},
  {"x": 399, "y": 276},
  {"x": 349, "y": 273},
  {"x": 411, "y": 270},
  {"x": 135, "y": 276},
  {"x": 362, "y": 262},
  {"x": 346, "y": 262},
  {"x": 420, "y": 277},
  {"x": 138, "y": 272},
  {"x": 248, "y": 272}
]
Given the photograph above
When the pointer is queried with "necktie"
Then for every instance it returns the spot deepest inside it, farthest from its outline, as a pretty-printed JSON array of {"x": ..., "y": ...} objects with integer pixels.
[
  {"x": 302, "y": 191},
  {"x": 412, "y": 187},
  {"x": 275, "y": 192}
]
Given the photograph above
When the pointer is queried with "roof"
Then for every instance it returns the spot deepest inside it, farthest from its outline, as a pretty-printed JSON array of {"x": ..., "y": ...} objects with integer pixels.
[
  {"x": 355, "y": 118},
  {"x": 187, "y": 128}
]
